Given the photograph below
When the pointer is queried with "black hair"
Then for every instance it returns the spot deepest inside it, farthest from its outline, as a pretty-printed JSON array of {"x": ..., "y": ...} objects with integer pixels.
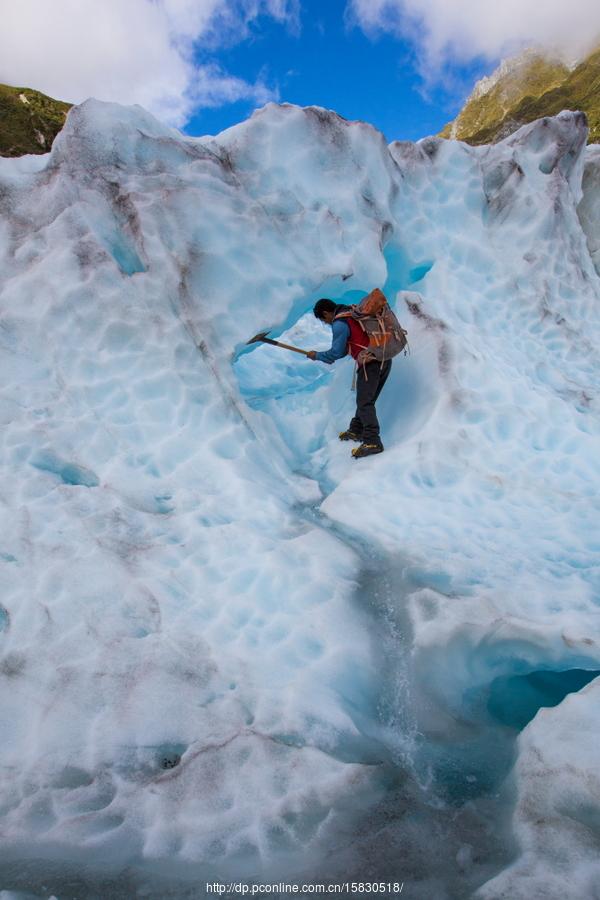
[{"x": 322, "y": 306}]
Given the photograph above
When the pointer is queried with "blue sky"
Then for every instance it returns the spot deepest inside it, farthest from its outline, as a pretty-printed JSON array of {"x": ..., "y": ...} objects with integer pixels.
[
  {"x": 406, "y": 66},
  {"x": 329, "y": 63}
]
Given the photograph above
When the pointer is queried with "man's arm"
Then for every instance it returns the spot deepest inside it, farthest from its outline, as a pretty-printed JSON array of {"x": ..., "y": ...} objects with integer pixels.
[{"x": 339, "y": 343}]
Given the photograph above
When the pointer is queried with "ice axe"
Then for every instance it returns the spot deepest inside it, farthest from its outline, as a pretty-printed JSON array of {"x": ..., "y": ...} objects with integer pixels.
[{"x": 262, "y": 337}]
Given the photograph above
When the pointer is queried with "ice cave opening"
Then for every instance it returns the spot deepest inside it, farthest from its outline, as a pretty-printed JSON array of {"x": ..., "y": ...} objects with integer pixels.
[
  {"x": 308, "y": 403},
  {"x": 515, "y": 699},
  {"x": 466, "y": 747}
]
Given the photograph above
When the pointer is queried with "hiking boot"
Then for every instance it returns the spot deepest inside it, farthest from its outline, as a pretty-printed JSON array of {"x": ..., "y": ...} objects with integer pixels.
[
  {"x": 367, "y": 450},
  {"x": 350, "y": 436}
]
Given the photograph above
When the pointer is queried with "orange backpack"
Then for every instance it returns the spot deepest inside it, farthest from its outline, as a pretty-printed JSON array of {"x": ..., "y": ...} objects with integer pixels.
[{"x": 386, "y": 336}]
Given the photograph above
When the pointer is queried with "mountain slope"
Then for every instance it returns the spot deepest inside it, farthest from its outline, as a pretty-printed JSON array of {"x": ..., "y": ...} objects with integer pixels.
[
  {"x": 29, "y": 120},
  {"x": 524, "y": 89}
]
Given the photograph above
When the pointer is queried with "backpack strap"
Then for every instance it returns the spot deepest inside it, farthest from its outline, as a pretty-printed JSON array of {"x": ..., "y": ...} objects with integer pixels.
[{"x": 353, "y": 314}]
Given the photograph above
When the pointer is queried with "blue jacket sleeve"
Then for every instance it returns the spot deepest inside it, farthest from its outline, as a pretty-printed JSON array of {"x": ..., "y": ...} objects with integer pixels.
[{"x": 339, "y": 343}]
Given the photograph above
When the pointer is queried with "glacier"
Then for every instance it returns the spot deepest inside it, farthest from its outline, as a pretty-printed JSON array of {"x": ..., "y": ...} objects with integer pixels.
[{"x": 228, "y": 650}]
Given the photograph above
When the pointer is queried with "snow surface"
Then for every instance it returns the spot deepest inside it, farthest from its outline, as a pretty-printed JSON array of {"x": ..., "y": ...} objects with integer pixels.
[{"x": 222, "y": 638}]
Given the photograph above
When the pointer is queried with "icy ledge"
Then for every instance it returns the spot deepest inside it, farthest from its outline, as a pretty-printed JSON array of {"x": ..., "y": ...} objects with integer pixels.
[
  {"x": 191, "y": 650},
  {"x": 557, "y": 818}
]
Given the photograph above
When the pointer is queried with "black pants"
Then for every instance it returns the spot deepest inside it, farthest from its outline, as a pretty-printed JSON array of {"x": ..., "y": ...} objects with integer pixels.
[{"x": 368, "y": 389}]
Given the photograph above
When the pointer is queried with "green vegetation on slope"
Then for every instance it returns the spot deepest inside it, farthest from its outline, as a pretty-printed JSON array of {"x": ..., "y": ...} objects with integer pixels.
[
  {"x": 29, "y": 121},
  {"x": 529, "y": 89}
]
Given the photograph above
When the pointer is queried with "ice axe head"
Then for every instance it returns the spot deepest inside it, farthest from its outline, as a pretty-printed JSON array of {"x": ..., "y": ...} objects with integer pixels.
[
  {"x": 258, "y": 337},
  {"x": 262, "y": 336}
]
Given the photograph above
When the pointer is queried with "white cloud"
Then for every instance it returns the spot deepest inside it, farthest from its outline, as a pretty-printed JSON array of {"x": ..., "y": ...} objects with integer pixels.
[
  {"x": 133, "y": 51},
  {"x": 446, "y": 31}
]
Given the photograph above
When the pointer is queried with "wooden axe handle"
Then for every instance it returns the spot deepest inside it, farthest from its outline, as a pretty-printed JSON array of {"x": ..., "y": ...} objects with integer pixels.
[{"x": 285, "y": 346}]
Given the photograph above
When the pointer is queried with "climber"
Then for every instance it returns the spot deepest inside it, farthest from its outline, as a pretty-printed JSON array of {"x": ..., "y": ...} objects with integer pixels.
[{"x": 371, "y": 375}]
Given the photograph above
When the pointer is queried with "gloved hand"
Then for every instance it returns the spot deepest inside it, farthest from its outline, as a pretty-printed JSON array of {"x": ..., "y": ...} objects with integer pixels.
[{"x": 312, "y": 354}]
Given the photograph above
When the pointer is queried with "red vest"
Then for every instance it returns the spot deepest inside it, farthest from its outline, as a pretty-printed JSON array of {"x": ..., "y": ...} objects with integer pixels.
[{"x": 358, "y": 338}]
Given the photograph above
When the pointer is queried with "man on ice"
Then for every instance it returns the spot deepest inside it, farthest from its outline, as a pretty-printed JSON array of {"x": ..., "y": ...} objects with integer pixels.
[{"x": 372, "y": 335}]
